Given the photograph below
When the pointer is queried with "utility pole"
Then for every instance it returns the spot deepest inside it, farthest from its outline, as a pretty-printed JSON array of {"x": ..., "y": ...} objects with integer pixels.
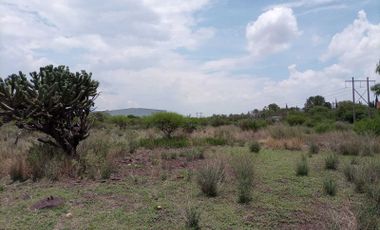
[
  {"x": 354, "y": 91},
  {"x": 353, "y": 101}
]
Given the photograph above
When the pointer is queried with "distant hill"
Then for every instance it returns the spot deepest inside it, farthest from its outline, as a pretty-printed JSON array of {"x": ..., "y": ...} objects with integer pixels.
[{"x": 139, "y": 112}]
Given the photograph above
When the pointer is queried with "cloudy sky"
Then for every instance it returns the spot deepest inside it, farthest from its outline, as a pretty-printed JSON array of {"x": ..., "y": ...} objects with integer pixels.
[{"x": 188, "y": 56}]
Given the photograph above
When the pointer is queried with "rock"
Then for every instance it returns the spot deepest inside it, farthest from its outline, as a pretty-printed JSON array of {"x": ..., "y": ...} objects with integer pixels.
[
  {"x": 69, "y": 215},
  {"x": 158, "y": 207},
  {"x": 50, "y": 202}
]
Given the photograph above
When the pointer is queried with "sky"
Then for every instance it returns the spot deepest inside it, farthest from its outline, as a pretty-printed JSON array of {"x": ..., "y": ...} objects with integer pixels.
[{"x": 209, "y": 56}]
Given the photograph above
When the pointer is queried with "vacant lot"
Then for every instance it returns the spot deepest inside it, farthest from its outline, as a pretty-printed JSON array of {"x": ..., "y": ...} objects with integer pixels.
[{"x": 148, "y": 195}]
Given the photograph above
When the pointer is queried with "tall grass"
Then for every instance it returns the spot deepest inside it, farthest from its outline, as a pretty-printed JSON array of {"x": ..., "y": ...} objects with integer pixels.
[
  {"x": 243, "y": 165},
  {"x": 210, "y": 176},
  {"x": 302, "y": 167}
]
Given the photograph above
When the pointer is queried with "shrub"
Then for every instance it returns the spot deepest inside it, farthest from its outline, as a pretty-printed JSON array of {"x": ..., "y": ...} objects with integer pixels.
[
  {"x": 331, "y": 161},
  {"x": 350, "y": 146},
  {"x": 45, "y": 161},
  {"x": 254, "y": 147},
  {"x": 302, "y": 167},
  {"x": 368, "y": 126},
  {"x": 209, "y": 178},
  {"x": 189, "y": 125},
  {"x": 167, "y": 122},
  {"x": 313, "y": 148},
  {"x": 329, "y": 186},
  {"x": 284, "y": 132},
  {"x": 244, "y": 171},
  {"x": 193, "y": 154},
  {"x": 349, "y": 171},
  {"x": 250, "y": 124},
  {"x": 193, "y": 217},
  {"x": 215, "y": 141},
  {"x": 18, "y": 170},
  {"x": 323, "y": 127},
  {"x": 296, "y": 119}
]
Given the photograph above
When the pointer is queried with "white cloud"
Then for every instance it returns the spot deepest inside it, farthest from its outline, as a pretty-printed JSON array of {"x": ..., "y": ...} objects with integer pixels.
[
  {"x": 357, "y": 46},
  {"x": 273, "y": 31},
  {"x": 131, "y": 47}
]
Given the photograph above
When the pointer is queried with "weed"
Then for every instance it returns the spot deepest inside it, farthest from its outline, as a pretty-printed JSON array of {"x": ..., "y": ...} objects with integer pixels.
[
  {"x": 254, "y": 147},
  {"x": 329, "y": 186},
  {"x": 331, "y": 161},
  {"x": 209, "y": 178},
  {"x": 313, "y": 148},
  {"x": 193, "y": 217},
  {"x": 302, "y": 167},
  {"x": 349, "y": 171},
  {"x": 18, "y": 170},
  {"x": 244, "y": 170}
]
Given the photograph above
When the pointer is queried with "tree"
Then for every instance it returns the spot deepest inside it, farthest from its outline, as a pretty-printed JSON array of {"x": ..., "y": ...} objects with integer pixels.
[
  {"x": 167, "y": 122},
  {"x": 376, "y": 88},
  {"x": 316, "y": 101},
  {"x": 54, "y": 101}
]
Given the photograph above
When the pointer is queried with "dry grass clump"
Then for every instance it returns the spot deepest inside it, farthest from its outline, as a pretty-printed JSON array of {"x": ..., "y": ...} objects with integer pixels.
[
  {"x": 293, "y": 144},
  {"x": 243, "y": 165},
  {"x": 280, "y": 131},
  {"x": 210, "y": 176}
]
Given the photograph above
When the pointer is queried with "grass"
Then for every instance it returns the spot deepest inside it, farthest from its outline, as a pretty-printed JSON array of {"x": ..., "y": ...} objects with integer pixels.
[
  {"x": 302, "y": 167},
  {"x": 278, "y": 199}
]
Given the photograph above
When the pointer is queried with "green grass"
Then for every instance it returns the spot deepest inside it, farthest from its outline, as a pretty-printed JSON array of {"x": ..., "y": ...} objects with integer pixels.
[{"x": 280, "y": 199}]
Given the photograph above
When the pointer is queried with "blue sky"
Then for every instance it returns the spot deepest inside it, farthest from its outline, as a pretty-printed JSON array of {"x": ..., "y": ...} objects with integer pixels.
[{"x": 210, "y": 56}]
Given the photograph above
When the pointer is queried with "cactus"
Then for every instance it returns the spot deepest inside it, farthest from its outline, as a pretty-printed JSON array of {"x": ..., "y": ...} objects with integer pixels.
[{"x": 53, "y": 101}]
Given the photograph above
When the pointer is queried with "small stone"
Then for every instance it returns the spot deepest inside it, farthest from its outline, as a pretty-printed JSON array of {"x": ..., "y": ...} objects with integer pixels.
[
  {"x": 69, "y": 215},
  {"x": 158, "y": 207}
]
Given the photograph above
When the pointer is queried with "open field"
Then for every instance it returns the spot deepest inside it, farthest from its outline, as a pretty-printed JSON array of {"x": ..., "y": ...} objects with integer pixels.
[{"x": 281, "y": 199}]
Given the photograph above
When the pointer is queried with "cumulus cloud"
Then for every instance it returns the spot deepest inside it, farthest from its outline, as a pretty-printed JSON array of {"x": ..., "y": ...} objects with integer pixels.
[
  {"x": 357, "y": 46},
  {"x": 273, "y": 31},
  {"x": 132, "y": 49}
]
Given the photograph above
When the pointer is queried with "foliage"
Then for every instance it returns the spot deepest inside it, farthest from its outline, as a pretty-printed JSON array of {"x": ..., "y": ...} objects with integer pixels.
[
  {"x": 316, "y": 101},
  {"x": 254, "y": 146},
  {"x": 250, "y": 124},
  {"x": 329, "y": 186},
  {"x": 331, "y": 161},
  {"x": 167, "y": 122},
  {"x": 209, "y": 178},
  {"x": 18, "y": 170},
  {"x": 296, "y": 118},
  {"x": 190, "y": 125},
  {"x": 313, "y": 148},
  {"x": 244, "y": 172},
  {"x": 193, "y": 217},
  {"x": 55, "y": 101},
  {"x": 302, "y": 167},
  {"x": 368, "y": 126},
  {"x": 349, "y": 171}
]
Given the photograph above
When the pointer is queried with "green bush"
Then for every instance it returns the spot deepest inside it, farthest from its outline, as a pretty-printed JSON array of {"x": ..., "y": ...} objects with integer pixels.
[
  {"x": 215, "y": 141},
  {"x": 167, "y": 122},
  {"x": 323, "y": 127},
  {"x": 193, "y": 217},
  {"x": 284, "y": 131},
  {"x": 313, "y": 148},
  {"x": 189, "y": 125},
  {"x": 250, "y": 124},
  {"x": 351, "y": 147},
  {"x": 302, "y": 167},
  {"x": 368, "y": 126},
  {"x": 244, "y": 171},
  {"x": 331, "y": 161},
  {"x": 329, "y": 186},
  {"x": 209, "y": 178},
  {"x": 349, "y": 171},
  {"x": 296, "y": 119},
  {"x": 195, "y": 153},
  {"x": 254, "y": 147}
]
